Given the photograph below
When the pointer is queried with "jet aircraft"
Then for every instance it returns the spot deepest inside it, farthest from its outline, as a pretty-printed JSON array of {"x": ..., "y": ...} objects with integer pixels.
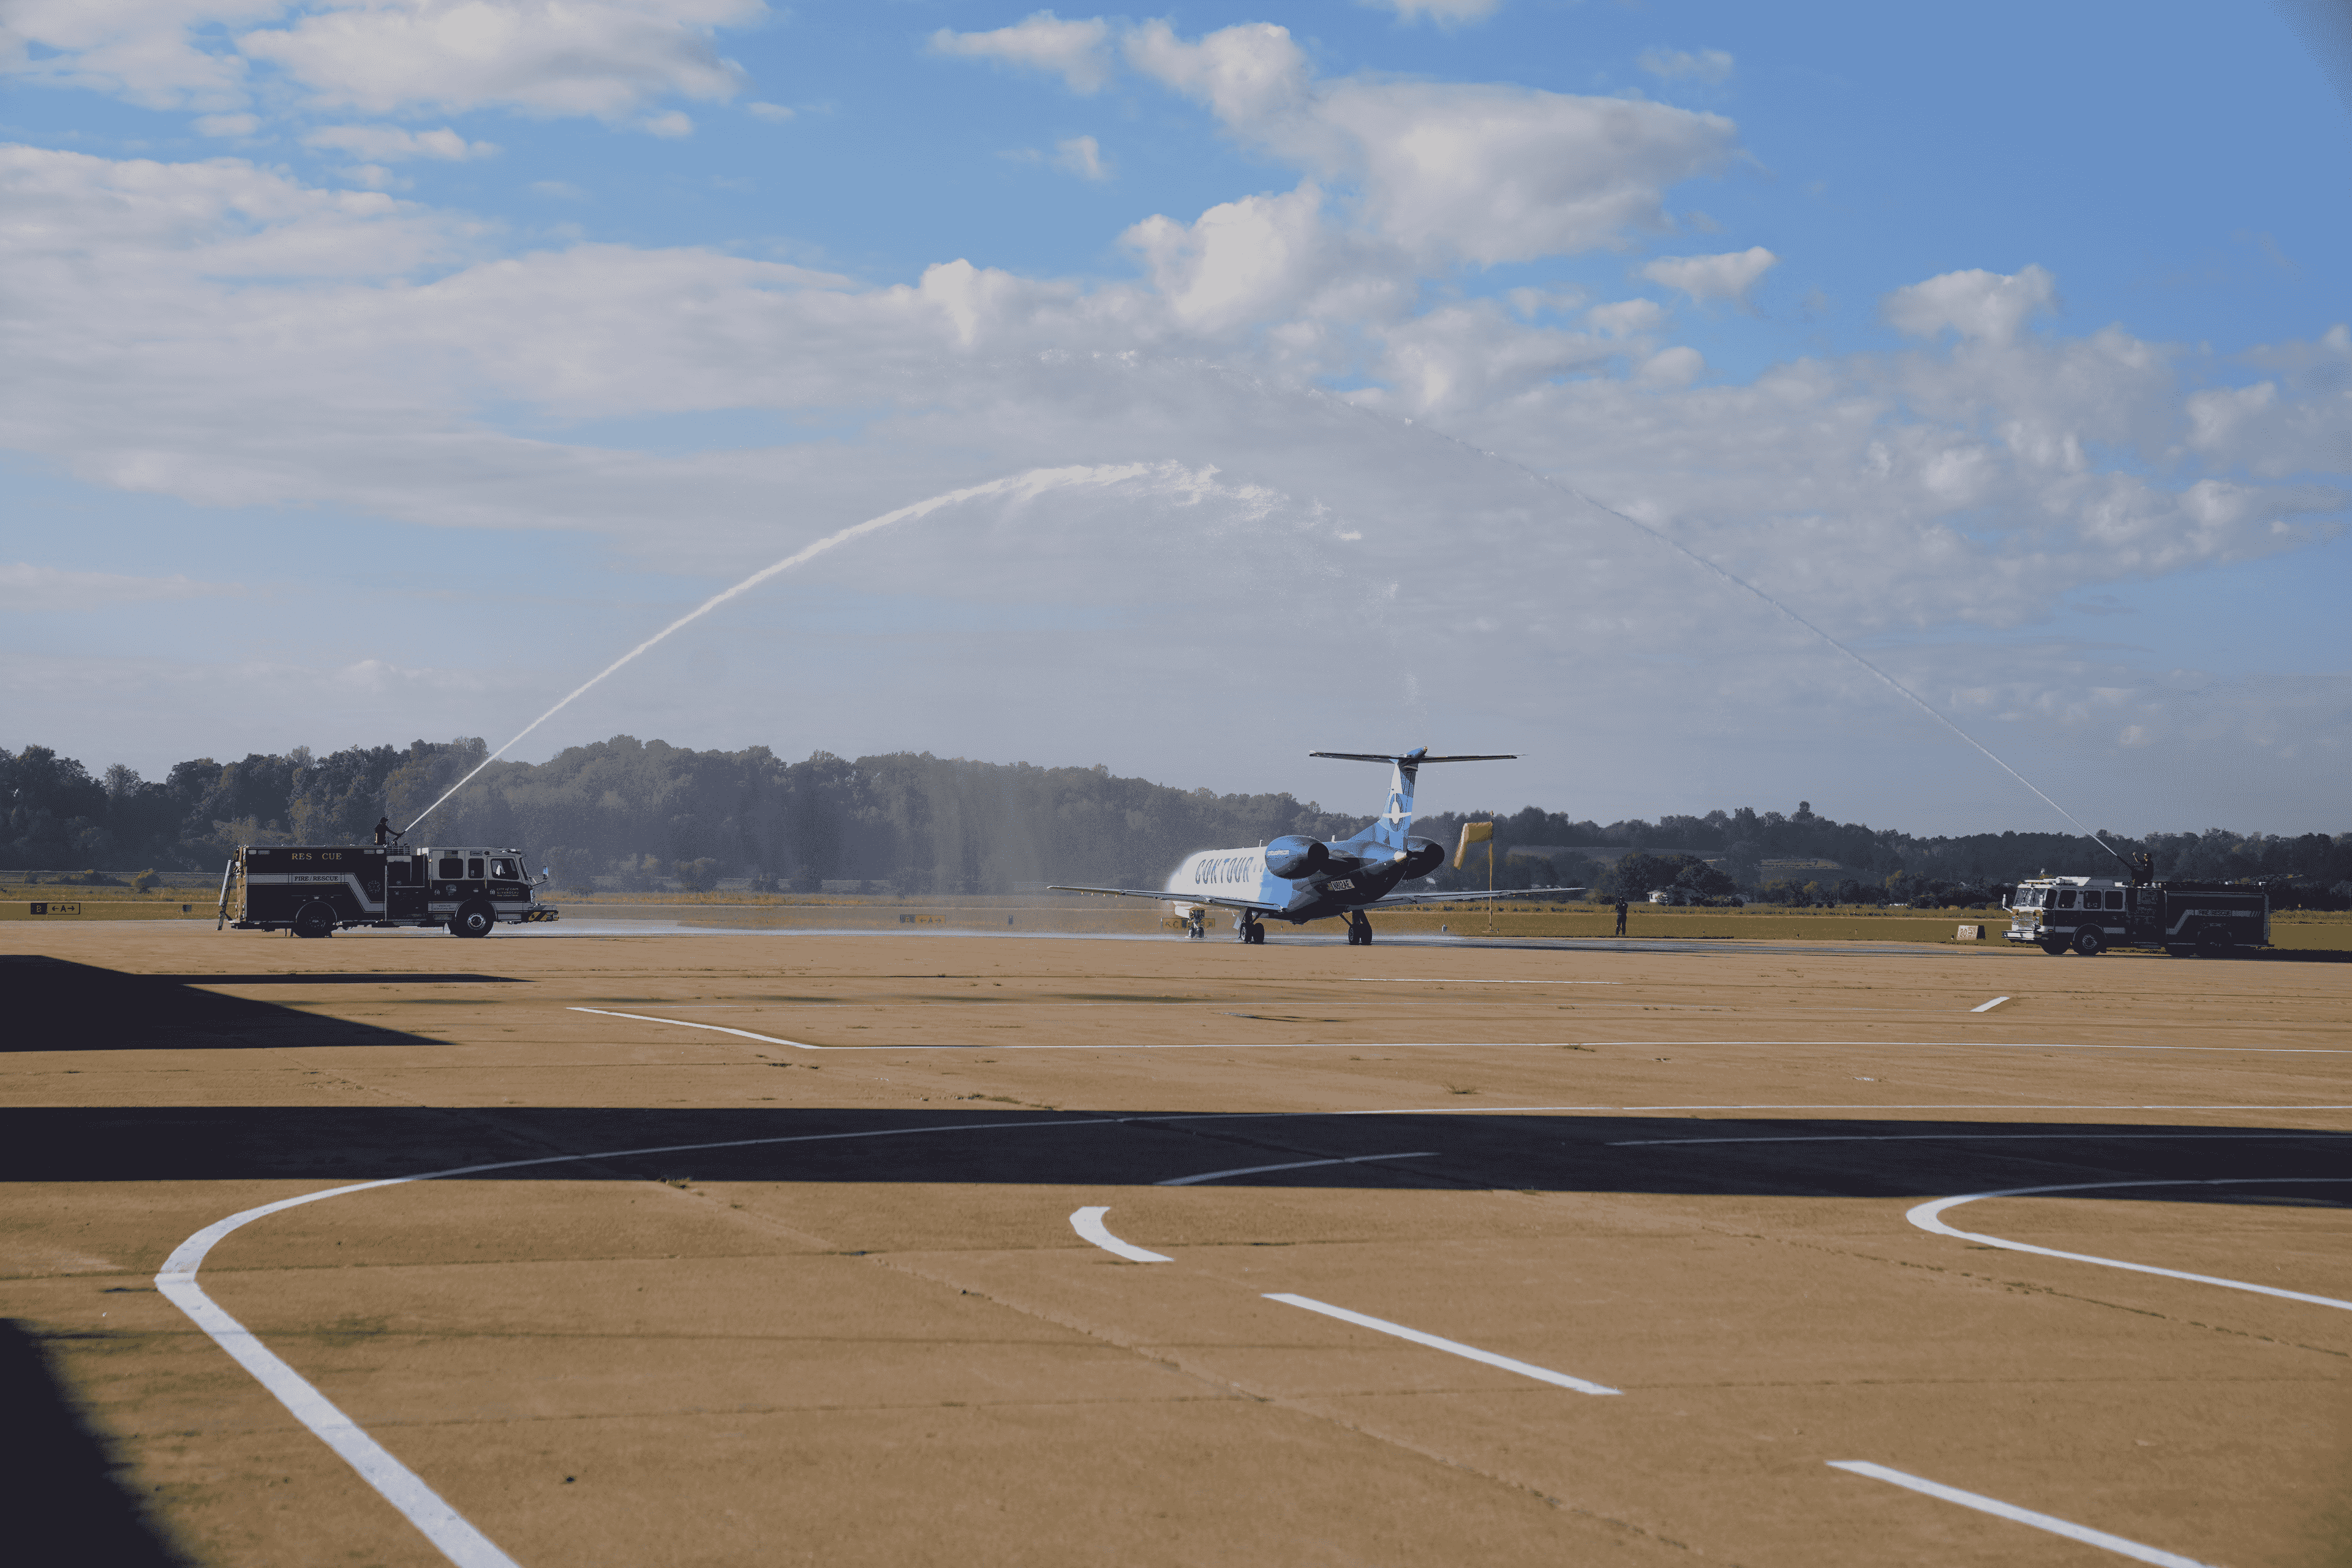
[{"x": 1297, "y": 879}]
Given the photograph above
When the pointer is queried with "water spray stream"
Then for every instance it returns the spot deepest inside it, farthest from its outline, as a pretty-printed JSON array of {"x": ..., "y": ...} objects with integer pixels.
[
  {"x": 1892, "y": 684},
  {"x": 1023, "y": 486}
]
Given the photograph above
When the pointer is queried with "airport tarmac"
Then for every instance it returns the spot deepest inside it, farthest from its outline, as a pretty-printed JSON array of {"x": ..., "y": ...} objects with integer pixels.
[{"x": 911, "y": 1249}]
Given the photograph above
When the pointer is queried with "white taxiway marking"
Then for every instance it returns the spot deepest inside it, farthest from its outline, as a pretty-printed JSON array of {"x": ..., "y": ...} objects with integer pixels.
[
  {"x": 1994, "y": 1505},
  {"x": 1294, "y": 1165},
  {"x": 457, "y": 1539},
  {"x": 1452, "y": 1347},
  {"x": 687, "y": 1023},
  {"x": 422, "y": 1506},
  {"x": 1924, "y": 1216},
  {"x": 1088, "y": 1223},
  {"x": 1988, "y": 1006}
]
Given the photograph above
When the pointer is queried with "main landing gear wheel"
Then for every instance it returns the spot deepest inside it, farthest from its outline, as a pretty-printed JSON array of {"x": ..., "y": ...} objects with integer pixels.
[
  {"x": 314, "y": 919},
  {"x": 1360, "y": 932},
  {"x": 2089, "y": 943},
  {"x": 477, "y": 919}
]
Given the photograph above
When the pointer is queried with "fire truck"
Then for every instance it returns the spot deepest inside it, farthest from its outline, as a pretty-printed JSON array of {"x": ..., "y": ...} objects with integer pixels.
[
  {"x": 317, "y": 889},
  {"x": 2090, "y": 914}
]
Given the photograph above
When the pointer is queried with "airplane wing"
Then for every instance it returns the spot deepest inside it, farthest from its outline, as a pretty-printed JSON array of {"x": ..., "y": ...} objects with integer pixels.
[
  {"x": 1396, "y": 900},
  {"x": 1211, "y": 899}
]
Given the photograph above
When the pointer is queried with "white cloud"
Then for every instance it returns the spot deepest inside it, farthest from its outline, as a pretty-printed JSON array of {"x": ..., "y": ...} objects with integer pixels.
[
  {"x": 672, "y": 123},
  {"x": 25, "y": 587},
  {"x": 1445, "y": 13},
  {"x": 1626, "y": 317},
  {"x": 1988, "y": 307},
  {"x": 392, "y": 144},
  {"x": 1080, "y": 155},
  {"x": 1726, "y": 277},
  {"x": 1674, "y": 367},
  {"x": 1472, "y": 172},
  {"x": 228, "y": 124},
  {"x": 770, "y": 111},
  {"x": 602, "y": 57},
  {"x": 145, "y": 51},
  {"x": 1079, "y": 50},
  {"x": 158, "y": 346},
  {"x": 1675, "y": 65}
]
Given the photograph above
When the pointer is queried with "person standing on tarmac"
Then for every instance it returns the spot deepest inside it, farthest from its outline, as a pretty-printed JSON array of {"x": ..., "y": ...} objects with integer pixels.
[{"x": 1621, "y": 914}]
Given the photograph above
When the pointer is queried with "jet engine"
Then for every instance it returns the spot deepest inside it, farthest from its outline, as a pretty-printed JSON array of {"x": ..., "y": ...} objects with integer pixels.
[
  {"x": 1422, "y": 856},
  {"x": 1293, "y": 854}
]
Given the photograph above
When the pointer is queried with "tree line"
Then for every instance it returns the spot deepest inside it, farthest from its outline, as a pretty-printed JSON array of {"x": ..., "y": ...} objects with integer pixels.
[{"x": 641, "y": 816}]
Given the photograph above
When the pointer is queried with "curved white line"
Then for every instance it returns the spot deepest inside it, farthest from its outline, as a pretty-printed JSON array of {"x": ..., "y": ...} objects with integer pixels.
[
  {"x": 1088, "y": 1223},
  {"x": 2001, "y": 1510},
  {"x": 684, "y": 1024},
  {"x": 1293, "y": 1166},
  {"x": 1924, "y": 1215},
  {"x": 449, "y": 1531}
]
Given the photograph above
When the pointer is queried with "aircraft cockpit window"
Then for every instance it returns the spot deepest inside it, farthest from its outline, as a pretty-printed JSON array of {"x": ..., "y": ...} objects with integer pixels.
[
  {"x": 504, "y": 870},
  {"x": 451, "y": 868},
  {"x": 474, "y": 866}
]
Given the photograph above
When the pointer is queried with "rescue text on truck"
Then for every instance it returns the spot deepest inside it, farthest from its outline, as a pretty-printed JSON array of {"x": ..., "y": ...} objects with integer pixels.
[{"x": 316, "y": 890}]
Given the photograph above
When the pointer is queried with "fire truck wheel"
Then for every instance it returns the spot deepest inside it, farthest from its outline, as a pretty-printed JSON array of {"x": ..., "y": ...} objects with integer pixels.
[
  {"x": 2089, "y": 943},
  {"x": 314, "y": 919},
  {"x": 477, "y": 919},
  {"x": 2056, "y": 946}
]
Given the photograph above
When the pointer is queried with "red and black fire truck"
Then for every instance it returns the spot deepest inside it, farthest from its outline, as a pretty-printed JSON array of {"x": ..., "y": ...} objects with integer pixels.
[
  {"x": 2090, "y": 914},
  {"x": 317, "y": 889}
]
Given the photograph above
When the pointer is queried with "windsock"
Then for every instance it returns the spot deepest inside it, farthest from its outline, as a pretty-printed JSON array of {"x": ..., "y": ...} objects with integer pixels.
[{"x": 1472, "y": 833}]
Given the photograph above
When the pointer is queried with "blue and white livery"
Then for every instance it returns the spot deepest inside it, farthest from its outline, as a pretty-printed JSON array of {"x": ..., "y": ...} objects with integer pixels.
[{"x": 1295, "y": 878}]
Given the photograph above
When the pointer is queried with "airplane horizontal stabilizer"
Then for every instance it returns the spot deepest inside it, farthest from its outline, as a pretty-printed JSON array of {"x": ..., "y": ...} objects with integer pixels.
[{"x": 1416, "y": 761}]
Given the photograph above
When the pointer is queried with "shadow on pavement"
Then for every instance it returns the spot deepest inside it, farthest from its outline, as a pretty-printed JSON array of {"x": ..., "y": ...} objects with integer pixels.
[
  {"x": 61, "y": 1494},
  {"x": 55, "y": 1006},
  {"x": 1811, "y": 1157}
]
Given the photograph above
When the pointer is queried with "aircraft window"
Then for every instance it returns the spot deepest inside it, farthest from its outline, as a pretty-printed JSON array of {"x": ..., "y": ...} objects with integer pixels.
[
  {"x": 504, "y": 870},
  {"x": 2066, "y": 897},
  {"x": 474, "y": 866},
  {"x": 450, "y": 867}
]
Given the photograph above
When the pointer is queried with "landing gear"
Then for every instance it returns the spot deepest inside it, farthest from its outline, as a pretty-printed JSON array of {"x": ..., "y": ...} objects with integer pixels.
[
  {"x": 1360, "y": 930},
  {"x": 1193, "y": 929},
  {"x": 1248, "y": 928}
]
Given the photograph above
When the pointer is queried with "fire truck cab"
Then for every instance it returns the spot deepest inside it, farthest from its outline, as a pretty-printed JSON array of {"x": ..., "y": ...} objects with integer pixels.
[
  {"x": 2090, "y": 914},
  {"x": 316, "y": 890}
]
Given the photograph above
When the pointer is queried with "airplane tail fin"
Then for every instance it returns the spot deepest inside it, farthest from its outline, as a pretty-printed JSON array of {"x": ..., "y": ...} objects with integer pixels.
[{"x": 1395, "y": 820}]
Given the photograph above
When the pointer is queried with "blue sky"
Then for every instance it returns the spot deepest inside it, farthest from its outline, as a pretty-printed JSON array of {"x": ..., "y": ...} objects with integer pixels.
[{"x": 387, "y": 368}]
